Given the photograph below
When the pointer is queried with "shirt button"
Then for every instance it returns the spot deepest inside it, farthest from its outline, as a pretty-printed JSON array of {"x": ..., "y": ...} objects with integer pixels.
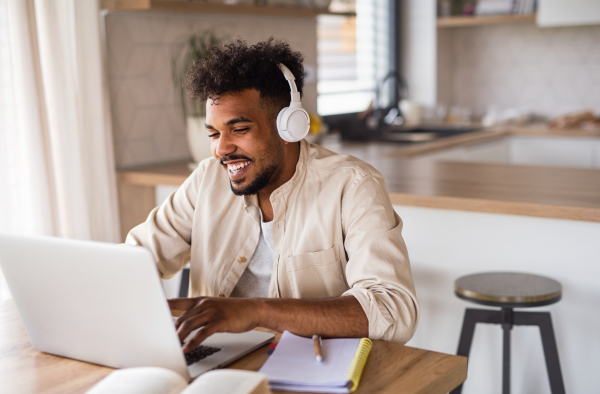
[
  {"x": 221, "y": 295},
  {"x": 242, "y": 259}
]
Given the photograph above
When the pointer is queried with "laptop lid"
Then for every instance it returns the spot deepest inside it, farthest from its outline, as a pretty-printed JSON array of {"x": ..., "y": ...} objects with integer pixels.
[{"x": 103, "y": 303}]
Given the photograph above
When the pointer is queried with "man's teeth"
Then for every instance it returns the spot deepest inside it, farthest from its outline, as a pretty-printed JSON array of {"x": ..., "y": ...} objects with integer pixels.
[{"x": 238, "y": 166}]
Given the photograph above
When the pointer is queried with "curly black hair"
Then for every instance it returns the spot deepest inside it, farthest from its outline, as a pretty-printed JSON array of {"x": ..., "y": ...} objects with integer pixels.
[{"x": 238, "y": 67}]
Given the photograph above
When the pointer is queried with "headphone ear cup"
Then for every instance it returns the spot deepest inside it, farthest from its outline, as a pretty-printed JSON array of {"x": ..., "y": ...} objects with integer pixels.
[
  {"x": 281, "y": 127},
  {"x": 293, "y": 124}
]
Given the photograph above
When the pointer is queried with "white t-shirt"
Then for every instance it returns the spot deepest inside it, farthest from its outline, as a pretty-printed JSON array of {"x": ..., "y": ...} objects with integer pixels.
[{"x": 255, "y": 280}]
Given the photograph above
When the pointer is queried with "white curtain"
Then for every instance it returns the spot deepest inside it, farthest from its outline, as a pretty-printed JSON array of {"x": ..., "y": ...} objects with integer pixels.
[{"x": 56, "y": 160}]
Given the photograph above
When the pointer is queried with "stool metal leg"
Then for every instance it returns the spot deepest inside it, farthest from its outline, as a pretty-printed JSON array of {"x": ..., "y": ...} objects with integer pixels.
[
  {"x": 544, "y": 321},
  {"x": 507, "y": 322},
  {"x": 506, "y": 360},
  {"x": 472, "y": 317}
]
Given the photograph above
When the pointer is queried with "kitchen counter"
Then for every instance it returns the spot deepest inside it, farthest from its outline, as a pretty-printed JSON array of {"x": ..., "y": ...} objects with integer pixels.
[{"x": 547, "y": 192}]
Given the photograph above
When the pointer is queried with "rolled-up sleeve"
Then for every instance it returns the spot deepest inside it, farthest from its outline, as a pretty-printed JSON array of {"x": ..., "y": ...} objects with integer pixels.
[
  {"x": 378, "y": 268},
  {"x": 167, "y": 231}
]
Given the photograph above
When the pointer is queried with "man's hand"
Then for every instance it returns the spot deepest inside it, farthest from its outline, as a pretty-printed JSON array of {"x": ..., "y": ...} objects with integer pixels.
[{"x": 211, "y": 315}]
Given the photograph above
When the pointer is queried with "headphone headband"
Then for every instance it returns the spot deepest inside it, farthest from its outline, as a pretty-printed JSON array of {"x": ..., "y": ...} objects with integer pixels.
[{"x": 292, "y": 81}]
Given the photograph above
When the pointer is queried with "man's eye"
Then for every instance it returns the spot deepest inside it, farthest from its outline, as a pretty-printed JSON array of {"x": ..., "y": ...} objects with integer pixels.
[
  {"x": 213, "y": 135},
  {"x": 241, "y": 130}
]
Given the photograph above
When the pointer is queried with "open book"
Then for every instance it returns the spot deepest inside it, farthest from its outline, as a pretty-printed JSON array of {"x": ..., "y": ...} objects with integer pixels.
[
  {"x": 156, "y": 380},
  {"x": 293, "y": 367}
]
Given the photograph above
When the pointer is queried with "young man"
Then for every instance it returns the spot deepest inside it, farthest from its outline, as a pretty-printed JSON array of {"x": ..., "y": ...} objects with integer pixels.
[{"x": 288, "y": 236}]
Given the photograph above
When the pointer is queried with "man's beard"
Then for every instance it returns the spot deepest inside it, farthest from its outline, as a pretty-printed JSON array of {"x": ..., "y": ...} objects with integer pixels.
[{"x": 258, "y": 183}]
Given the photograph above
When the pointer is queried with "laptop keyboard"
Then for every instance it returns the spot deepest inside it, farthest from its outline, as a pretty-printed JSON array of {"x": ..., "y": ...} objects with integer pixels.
[{"x": 201, "y": 352}]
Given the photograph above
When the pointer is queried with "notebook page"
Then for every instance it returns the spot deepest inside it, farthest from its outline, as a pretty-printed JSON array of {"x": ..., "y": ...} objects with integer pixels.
[{"x": 293, "y": 361}]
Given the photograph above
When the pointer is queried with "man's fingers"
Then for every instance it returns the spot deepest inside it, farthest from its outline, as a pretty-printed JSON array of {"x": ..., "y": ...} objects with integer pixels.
[
  {"x": 192, "y": 311},
  {"x": 200, "y": 336},
  {"x": 185, "y": 327},
  {"x": 182, "y": 304}
]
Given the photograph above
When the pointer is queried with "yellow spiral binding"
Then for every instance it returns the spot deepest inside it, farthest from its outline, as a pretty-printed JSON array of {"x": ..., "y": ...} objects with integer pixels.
[{"x": 358, "y": 363}]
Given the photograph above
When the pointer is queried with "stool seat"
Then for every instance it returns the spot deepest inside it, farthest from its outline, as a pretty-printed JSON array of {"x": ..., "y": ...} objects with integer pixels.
[{"x": 508, "y": 289}]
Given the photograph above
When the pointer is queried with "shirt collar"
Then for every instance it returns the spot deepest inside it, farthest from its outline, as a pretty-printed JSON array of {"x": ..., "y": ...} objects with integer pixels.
[{"x": 287, "y": 187}]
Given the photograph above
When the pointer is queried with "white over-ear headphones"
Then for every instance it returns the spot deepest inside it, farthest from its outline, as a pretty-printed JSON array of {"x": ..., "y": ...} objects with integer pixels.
[{"x": 293, "y": 121}]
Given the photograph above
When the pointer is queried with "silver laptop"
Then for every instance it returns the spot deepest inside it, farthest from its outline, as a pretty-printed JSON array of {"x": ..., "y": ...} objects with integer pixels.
[{"x": 104, "y": 304}]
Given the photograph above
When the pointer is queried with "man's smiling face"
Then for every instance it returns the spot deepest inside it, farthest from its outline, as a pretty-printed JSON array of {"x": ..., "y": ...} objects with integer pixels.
[{"x": 244, "y": 139}]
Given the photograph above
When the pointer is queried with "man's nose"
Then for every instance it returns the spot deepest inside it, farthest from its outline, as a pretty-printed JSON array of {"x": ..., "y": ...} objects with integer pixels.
[{"x": 225, "y": 145}]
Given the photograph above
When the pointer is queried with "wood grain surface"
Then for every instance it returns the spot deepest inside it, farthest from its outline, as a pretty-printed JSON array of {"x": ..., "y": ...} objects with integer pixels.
[
  {"x": 212, "y": 8},
  {"x": 390, "y": 368}
]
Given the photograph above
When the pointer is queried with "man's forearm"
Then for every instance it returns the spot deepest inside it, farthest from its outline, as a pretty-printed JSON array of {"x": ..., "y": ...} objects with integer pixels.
[{"x": 333, "y": 317}]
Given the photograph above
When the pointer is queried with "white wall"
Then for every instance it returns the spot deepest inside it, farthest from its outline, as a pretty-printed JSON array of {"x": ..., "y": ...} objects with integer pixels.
[{"x": 444, "y": 245}]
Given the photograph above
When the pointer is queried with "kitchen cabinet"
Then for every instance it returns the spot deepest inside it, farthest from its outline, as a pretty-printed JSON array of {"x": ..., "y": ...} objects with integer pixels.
[
  {"x": 568, "y": 13},
  {"x": 450, "y": 154},
  {"x": 498, "y": 151},
  {"x": 522, "y": 150},
  {"x": 558, "y": 152}
]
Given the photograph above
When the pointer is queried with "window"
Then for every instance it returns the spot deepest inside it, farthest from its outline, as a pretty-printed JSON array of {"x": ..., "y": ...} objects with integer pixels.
[{"x": 353, "y": 56}]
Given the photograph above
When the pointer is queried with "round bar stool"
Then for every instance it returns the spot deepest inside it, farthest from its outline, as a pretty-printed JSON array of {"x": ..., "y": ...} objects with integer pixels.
[{"x": 509, "y": 290}]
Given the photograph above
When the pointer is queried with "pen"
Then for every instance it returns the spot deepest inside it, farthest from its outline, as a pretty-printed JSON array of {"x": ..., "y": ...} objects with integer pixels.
[{"x": 317, "y": 345}]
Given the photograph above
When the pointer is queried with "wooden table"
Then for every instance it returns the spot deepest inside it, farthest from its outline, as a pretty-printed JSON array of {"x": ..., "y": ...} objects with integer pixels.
[{"x": 390, "y": 368}]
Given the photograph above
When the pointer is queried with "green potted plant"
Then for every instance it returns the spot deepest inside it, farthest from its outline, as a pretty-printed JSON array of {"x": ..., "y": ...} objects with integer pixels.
[{"x": 194, "y": 48}]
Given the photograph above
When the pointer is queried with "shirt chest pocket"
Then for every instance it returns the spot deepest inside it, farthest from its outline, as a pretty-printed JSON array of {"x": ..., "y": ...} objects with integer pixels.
[{"x": 316, "y": 274}]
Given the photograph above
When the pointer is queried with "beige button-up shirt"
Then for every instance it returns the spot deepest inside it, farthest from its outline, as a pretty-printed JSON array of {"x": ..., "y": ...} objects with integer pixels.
[{"x": 334, "y": 228}]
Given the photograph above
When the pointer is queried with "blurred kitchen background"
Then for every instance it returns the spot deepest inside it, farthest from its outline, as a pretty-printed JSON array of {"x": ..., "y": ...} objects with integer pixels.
[{"x": 512, "y": 68}]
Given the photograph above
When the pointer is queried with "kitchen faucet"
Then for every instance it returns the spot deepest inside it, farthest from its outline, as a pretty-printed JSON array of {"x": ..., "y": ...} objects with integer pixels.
[{"x": 389, "y": 115}]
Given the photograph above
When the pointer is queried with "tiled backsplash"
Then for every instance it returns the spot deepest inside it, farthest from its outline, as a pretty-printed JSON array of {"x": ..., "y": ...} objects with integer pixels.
[
  {"x": 148, "y": 125},
  {"x": 549, "y": 71}
]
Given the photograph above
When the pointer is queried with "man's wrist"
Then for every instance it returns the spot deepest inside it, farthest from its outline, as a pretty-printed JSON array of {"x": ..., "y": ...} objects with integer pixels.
[{"x": 260, "y": 309}]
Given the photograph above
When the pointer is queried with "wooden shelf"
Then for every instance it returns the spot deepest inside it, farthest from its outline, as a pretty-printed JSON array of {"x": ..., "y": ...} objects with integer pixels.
[
  {"x": 467, "y": 21},
  {"x": 211, "y": 8}
]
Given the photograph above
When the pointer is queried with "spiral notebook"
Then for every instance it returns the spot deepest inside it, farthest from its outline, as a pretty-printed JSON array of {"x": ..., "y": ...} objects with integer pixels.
[{"x": 293, "y": 366}]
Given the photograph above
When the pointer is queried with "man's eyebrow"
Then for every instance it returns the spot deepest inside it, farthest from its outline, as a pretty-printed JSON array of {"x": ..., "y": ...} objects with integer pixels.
[{"x": 239, "y": 119}]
